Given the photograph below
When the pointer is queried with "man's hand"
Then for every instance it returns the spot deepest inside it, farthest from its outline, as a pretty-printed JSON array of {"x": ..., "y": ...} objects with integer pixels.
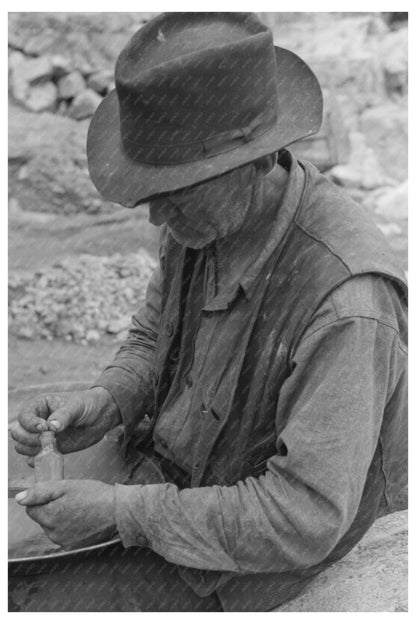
[
  {"x": 80, "y": 419},
  {"x": 72, "y": 513}
]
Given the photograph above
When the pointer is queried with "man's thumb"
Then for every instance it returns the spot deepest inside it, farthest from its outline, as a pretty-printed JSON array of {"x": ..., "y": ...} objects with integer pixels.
[
  {"x": 40, "y": 494},
  {"x": 61, "y": 418}
]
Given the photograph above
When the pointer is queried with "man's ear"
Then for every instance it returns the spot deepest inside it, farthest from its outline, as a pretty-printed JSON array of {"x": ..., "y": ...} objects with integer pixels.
[{"x": 265, "y": 164}]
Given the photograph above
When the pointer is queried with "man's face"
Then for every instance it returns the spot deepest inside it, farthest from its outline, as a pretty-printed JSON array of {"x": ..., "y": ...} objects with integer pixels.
[{"x": 208, "y": 211}]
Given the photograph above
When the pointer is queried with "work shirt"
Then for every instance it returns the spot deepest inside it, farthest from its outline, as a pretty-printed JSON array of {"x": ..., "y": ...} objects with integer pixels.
[{"x": 345, "y": 367}]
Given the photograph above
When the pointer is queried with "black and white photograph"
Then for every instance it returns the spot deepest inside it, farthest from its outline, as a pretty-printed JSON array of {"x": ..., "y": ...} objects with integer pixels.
[{"x": 207, "y": 311}]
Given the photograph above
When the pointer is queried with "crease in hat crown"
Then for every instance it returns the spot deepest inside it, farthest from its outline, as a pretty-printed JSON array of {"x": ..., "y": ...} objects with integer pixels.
[
  {"x": 191, "y": 86},
  {"x": 197, "y": 95}
]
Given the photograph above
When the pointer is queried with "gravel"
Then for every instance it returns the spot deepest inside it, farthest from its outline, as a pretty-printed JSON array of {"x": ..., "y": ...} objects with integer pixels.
[{"x": 79, "y": 299}]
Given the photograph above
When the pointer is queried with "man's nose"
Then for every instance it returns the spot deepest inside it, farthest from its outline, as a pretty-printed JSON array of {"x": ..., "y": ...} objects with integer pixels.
[{"x": 160, "y": 211}]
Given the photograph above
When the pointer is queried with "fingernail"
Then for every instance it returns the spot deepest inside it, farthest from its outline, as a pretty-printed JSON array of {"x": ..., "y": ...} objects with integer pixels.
[
  {"x": 55, "y": 424},
  {"x": 40, "y": 427},
  {"x": 20, "y": 496}
]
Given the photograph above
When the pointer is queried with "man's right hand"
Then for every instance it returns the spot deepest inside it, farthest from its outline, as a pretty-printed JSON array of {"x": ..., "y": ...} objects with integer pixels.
[{"x": 80, "y": 419}]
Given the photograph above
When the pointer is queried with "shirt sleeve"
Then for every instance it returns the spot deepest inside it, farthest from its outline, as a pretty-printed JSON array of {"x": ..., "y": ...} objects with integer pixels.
[
  {"x": 128, "y": 377},
  {"x": 292, "y": 516}
]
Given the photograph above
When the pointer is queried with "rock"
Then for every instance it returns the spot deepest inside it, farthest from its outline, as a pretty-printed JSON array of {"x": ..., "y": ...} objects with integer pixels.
[
  {"x": 52, "y": 148},
  {"x": 91, "y": 41},
  {"x": 42, "y": 97},
  {"x": 92, "y": 335},
  {"x": 25, "y": 73},
  {"x": 119, "y": 325},
  {"x": 16, "y": 58},
  {"x": 343, "y": 52},
  {"x": 70, "y": 85},
  {"x": 385, "y": 130},
  {"x": 363, "y": 169},
  {"x": 394, "y": 203},
  {"x": 84, "y": 104},
  {"x": 394, "y": 55},
  {"x": 79, "y": 298},
  {"x": 372, "y": 577},
  {"x": 61, "y": 65},
  {"x": 390, "y": 229},
  {"x": 27, "y": 332},
  {"x": 62, "y": 108},
  {"x": 34, "y": 70},
  {"x": 345, "y": 175},
  {"x": 101, "y": 82}
]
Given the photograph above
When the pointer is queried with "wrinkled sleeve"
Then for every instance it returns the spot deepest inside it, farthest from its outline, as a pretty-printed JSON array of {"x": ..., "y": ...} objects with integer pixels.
[
  {"x": 292, "y": 516},
  {"x": 128, "y": 377}
]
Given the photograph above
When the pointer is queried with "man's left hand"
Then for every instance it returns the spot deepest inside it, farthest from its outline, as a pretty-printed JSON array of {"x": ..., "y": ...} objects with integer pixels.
[{"x": 72, "y": 513}]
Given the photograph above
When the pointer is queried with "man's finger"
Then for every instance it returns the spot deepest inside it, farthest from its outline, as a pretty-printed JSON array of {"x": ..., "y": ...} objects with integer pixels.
[
  {"x": 37, "y": 514},
  {"x": 62, "y": 417},
  {"x": 41, "y": 493},
  {"x": 23, "y": 449},
  {"x": 21, "y": 435},
  {"x": 32, "y": 416}
]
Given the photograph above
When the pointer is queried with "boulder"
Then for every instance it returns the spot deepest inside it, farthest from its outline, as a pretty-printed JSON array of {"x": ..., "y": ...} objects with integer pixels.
[
  {"x": 101, "y": 82},
  {"x": 84, "y": 104},
  {"x": 25, "y": 73},
  {"x": 385, "y": 130},
  {"x": 393, "y": 204},
  {"x": 372, "y": 577},
  {"x": 394, "y": 55},
  {"x": 119, "y": 325},
  {"x": 363, "y": 169},
  {"x": 71, "y": 85},
  {"x": 42, "y": 97},
  {"x": 91, "y": 41},
  {"x": 47, "y": 164},
  {"x": 33, "y": 70},
  {"x": 61, "y": 65},
  {"x": 342, "y": 51}
]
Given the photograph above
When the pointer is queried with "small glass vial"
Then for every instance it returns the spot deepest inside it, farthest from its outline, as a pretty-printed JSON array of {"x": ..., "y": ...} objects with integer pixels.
[{"x": 49, "y": 463}]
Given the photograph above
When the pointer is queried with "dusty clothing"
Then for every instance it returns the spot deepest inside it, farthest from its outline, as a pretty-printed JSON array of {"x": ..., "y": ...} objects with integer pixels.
[{"x": 282, "y": 402}]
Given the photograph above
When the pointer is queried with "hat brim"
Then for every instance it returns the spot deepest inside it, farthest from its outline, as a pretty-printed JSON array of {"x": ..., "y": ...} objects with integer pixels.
[{"x": 128, "y": 182}]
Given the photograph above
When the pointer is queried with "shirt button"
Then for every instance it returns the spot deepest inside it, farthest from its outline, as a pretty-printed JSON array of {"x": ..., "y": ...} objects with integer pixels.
[
  {"x": 163, "y": 444},
  {"x": 169, "y": 329},
  {"x": 188, "y": 381},
  {"x": 196, "y": 465}
]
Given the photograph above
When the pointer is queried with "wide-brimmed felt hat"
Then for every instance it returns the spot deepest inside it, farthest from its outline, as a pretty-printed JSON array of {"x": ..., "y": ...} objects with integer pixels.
[{"x": 197, "y": 95}]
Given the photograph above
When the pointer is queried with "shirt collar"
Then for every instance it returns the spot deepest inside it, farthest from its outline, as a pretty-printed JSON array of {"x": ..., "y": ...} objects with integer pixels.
[{"x": 285, "y": 213}]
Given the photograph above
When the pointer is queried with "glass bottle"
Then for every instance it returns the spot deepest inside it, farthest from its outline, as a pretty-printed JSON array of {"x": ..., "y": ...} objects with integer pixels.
[{"x": 49, "y": 462}]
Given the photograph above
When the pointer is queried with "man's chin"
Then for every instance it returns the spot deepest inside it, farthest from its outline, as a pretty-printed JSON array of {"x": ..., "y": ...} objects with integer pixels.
[{"x": 193, "y": 242}]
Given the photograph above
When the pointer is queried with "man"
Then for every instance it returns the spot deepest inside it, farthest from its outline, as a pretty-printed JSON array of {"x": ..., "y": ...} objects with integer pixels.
[{"x": 262, "y": 387}]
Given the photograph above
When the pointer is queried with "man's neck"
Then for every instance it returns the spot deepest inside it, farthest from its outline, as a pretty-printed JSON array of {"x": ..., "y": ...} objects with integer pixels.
[{"x": 237, "y": 251}]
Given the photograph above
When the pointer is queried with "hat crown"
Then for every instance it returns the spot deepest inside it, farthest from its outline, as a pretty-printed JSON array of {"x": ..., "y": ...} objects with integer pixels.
[{"x": 187, "y": 82}]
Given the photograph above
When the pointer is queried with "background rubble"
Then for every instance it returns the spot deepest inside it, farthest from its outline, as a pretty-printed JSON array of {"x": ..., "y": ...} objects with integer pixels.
[{"x": 79, "y": 299}]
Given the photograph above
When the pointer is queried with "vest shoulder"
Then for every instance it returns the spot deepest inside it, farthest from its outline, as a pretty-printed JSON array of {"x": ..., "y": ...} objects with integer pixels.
[
  {"x": 373, "y": 297},
  {"x": 327, "y": 215}
]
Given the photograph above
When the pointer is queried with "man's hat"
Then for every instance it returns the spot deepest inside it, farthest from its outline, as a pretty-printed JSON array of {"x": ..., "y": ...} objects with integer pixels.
[{"x": 197, "y": 95}]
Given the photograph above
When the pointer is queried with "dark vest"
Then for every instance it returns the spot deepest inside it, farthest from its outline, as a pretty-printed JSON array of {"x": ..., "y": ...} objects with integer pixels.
[{"x": 329, "y": 241}]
